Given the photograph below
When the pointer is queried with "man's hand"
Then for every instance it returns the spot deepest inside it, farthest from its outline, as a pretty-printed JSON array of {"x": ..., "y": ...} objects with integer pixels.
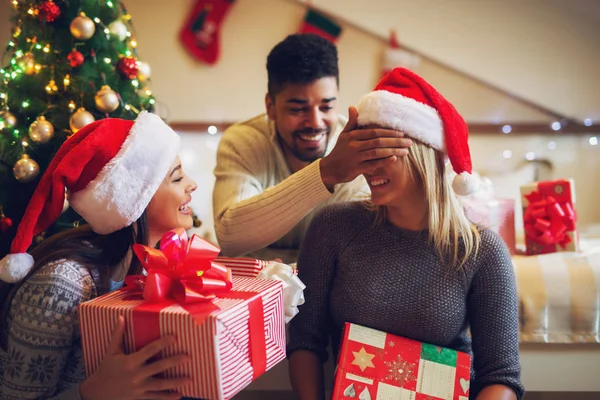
[{"x": 360, "y": 151}]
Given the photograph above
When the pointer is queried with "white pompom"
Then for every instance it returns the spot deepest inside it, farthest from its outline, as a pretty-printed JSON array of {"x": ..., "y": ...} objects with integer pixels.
[
  {"x": 465, "y": 184},
  {"x": 15, "y": 267}
]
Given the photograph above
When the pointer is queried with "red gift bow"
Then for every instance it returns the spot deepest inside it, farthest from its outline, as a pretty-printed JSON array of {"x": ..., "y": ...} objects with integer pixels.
[
  {"x": 182, "y": 270},
  {"x": 547, "y": 220}
]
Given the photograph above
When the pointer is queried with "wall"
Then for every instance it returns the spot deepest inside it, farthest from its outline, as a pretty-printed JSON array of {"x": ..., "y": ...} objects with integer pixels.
[{"x": 544, "y": 50}]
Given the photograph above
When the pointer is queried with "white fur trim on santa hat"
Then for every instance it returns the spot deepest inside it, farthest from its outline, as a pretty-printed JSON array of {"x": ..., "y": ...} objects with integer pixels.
[
  {"x": 122, "y": 190},
  {"x": 395, "y": 111},
  {"x": 465, "y": 184},
  {"x": 15, "y": 267}
]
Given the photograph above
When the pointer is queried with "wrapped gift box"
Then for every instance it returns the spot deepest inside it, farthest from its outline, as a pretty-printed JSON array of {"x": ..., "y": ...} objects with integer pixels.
[
  {"x": 232, "y": 328},
  {"x": 242, "y": 266},
  {"x": 495, "y": 214},
  {"x": 378, "y": 365},
  {"x": 549, "y": 216},
  {"x": 231, "y": 340}
]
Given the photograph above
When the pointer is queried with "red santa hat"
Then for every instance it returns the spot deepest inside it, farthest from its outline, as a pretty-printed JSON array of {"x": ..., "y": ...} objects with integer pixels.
[
  {"x": 403, "y": 101},
  {"x": 110, "y": 169}
]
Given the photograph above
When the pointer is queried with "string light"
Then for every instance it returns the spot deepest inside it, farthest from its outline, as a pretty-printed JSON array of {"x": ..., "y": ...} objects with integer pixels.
[
  {"x": 594, "y": 141},
  {"x": 38, "y": 67},
  {"x": 135, "y": 83},
  {"x": 507, "y": 154},
  {"x": 110, "y": 4},
  {"x": 25, "y": 104},
  {"x": 19, "y": 53},
  {"x": 30, "y": 11},
  {"x": 128, "y": 53},
  {"x": 212, "y": 130},
  {"x": 127, "y": 107},
  {"x": 97, "y": 20},
  {"x": 152, "y": 101},
  {"x": 128, "y": 34},
  {"x": 587, "y": 122},
  {"x": 15, "y": 3},
  {"x": 11, "y": 43},
  {"x": 25, "y": 143},
  {"x": 506, "y": 129},
  {"x": 107, "y": 60},
  {"x": 47, "y": 48},
  {"x": 556, "y": 126},
  {"x": 67, "y": 80},
  {"x": 72, "y": 105},
  {"x": 133, "y": 43},
  {"x": 551, "y": 145},
  {"x": 38, "y": 46},
  {"x": 148, "y": 92},
  {"x": 530, "y": 156},
  {"x": 2, "y": 95},
  {"x": 107, "y": 31}
]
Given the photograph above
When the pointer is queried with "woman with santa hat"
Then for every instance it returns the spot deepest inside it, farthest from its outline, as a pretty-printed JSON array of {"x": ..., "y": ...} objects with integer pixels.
[
  {"x": 125, "y": 180},
  {"x": 409, "y": 262}
]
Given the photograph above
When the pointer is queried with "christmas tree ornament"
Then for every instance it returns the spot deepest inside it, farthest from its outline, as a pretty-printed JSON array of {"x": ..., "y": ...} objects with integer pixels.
[
  {"x": 26, "y": 169},
  {"x": 48, "y": 11},
  {"x": 106, "y": 99},
  {"x": 41, "y": 131},
  {"x": 82, "y": 27},
  {"x": 319, "y": 24},
  {"x": 118, "y": 29},
  {"x": 7, "y": 119},
  {"x": 27, "y": 63},
  {"x": 5, "y": 223},
  {"x": 79, "y": 119},
  {"x": 200, "y": 34},
  {"x": 75, "y": 58},
  {"x": 128, "y": 67},
  {"x": 144, "y": 71},
  {"x": 51, "y": 87}
]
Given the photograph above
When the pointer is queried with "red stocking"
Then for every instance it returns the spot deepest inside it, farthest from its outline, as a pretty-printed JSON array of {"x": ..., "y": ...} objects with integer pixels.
[{"x": 200, "y": 34}]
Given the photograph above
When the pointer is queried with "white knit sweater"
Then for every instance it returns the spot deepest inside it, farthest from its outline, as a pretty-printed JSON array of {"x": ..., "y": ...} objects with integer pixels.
[{"x": 257, "y": 201}]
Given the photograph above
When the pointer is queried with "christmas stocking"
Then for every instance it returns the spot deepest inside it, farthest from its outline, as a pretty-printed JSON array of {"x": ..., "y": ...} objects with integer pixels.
[
  {"x": 395, "y": 56},
  {"x": 319, "y": 24},
  {"x": 200, "y": 34}
]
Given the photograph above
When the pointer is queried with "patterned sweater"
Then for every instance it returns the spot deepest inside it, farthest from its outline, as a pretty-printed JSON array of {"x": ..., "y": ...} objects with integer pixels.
[
  {"x": 391, "y": 279},
  {"x": 44, "y": 359},
  {"x": 258, "y": 202}
]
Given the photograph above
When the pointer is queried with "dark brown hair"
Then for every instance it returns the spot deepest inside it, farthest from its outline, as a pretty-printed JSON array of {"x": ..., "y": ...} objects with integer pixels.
[{"x": 83, "y": 246}]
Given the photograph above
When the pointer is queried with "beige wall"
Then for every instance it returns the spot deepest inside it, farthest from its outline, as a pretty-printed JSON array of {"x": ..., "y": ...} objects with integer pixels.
[{"x": 544, "y": 50}]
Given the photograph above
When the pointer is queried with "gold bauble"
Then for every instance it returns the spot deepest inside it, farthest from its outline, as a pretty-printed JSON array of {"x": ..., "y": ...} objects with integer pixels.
[
  {"x": 144, "y": 71},
  {"x": 80, "y": 118},
  {"x": 51, "y": 87},
  {"x": 106, "y": 99},
  {"x": 27, "y": 63},
  {"x": 7, "y": 120},
  {"x": 26, "y": 169},
  {"x": 41, "y": 131},
  {"x": 82, "y": 27}
]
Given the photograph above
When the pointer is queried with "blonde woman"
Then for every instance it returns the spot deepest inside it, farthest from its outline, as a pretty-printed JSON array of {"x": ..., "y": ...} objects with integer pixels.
[{"x": 409, "y": 262}]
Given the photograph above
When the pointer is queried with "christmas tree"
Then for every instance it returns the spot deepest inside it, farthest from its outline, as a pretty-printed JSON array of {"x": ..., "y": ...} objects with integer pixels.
[{"x": 67, "y": 64}]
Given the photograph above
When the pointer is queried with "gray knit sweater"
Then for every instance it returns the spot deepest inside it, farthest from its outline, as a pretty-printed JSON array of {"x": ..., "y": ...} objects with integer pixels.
[{"x": 392, "y": 280}]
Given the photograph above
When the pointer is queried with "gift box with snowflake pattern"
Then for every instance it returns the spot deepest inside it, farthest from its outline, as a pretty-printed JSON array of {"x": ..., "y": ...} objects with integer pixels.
[{"x": 375, "y": 365}]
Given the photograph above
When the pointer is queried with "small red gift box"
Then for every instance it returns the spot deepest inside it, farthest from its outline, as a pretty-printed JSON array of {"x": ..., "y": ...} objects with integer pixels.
[
  {"x": 233, "y": 329},
  {"x": 549, "y": 217},
  {"x": 242, "y": 266},
  {"x": 378, "y": 365},
  {"x": 495, "y": 214}
]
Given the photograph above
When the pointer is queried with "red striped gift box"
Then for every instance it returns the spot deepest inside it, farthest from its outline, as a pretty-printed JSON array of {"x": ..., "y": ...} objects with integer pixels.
[
  {"x": 231, "y": 340},
  {"x": 242, "y": 266}
]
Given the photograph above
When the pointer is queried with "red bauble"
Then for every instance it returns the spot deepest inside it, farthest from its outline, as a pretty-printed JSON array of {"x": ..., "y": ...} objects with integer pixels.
[
  {"x": 75, "y": 58},
  {"x": 5, "y": 224},
  {"x": 48, "y": 11},
  {"x": 128, "y": 66}
]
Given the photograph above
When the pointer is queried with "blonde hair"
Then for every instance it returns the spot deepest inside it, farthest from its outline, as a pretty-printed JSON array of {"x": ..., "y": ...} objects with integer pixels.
[{"x": 447, "y": 223}]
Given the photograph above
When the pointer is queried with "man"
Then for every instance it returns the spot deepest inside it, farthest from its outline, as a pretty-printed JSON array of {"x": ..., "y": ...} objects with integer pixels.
[{"x": 276, "y": 170}]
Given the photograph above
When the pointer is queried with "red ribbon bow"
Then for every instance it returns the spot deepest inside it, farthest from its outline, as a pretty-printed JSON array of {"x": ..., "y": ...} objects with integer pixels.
[
  {"x": 547, "y": 220},
  {"x": 183, "y": 270}
]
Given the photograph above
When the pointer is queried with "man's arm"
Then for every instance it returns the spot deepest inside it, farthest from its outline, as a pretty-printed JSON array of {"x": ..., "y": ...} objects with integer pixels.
[{"x": 248, "y": 217}]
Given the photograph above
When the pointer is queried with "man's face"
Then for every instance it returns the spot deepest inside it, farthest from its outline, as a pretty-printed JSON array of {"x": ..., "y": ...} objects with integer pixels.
[{"x": 304, "y": 116}]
